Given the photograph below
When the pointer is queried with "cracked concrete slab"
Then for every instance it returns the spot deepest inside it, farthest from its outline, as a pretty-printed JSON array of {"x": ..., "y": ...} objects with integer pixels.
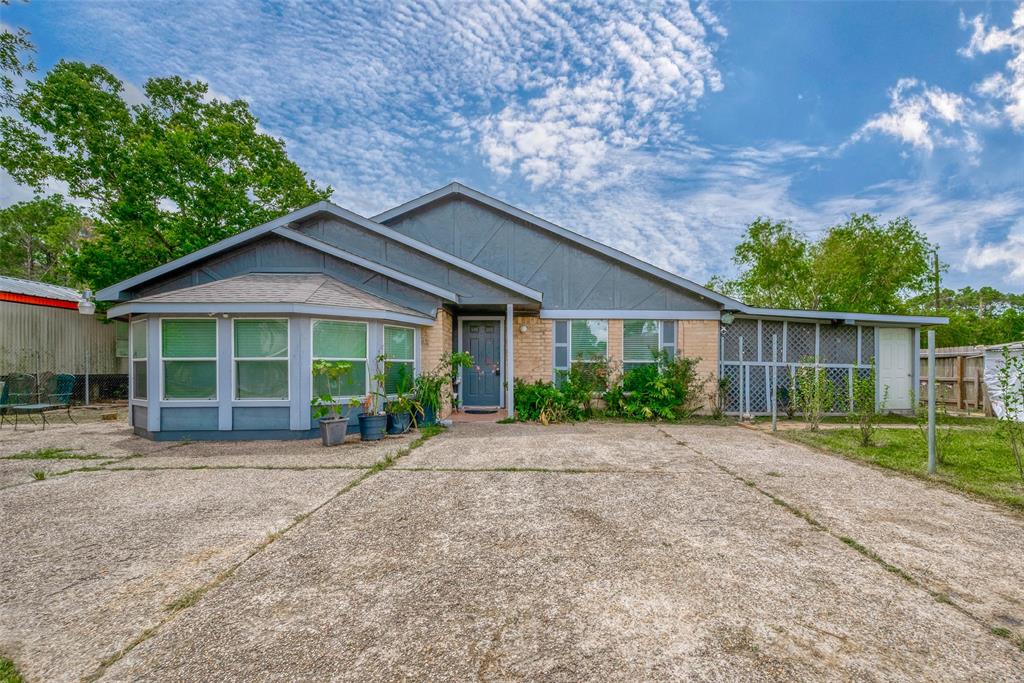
[
  {"x": 90, "y": 560},
  {"x": 554, "y": 576},
  {"x": 970, "y": 550}
]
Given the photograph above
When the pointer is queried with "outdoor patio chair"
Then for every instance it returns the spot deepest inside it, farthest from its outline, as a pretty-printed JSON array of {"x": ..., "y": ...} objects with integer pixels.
[
  {"x": 58, "y": 396},
  {"x": 18, "y": 390}
]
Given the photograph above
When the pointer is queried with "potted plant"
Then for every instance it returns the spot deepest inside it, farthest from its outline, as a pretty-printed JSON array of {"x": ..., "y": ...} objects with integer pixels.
[
  {"x": 429, "y": 386},
  {"x": 373, "y": 420},
  {"x": 404, "y": 407},
  {"x": 333, "y": 427}
]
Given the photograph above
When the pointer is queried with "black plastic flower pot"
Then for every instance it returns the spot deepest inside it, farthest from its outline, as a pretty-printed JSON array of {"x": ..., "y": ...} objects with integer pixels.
[
  {"x": 333, "y": 431},
  {"x": 371, "y": 427},
  {"x": 399, "y": 423}
]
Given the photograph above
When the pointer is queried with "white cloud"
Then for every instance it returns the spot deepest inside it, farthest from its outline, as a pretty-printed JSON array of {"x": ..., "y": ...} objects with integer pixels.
[
  {"x": 925, "y": 117},
  {"x": 1007, "y": 86},
  {"x": 1008, "y": 254}
]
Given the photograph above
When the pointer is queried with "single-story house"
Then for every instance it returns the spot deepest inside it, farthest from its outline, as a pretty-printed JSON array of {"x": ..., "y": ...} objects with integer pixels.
[{"x": 223, "y": 340}]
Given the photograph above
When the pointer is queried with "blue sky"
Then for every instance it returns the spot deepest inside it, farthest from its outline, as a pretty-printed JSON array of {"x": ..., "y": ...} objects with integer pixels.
[{"x": 659, "y": 128}]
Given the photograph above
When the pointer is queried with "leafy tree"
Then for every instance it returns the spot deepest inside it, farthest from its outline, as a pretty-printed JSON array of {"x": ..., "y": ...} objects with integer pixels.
[
  {"x": 12, "y": 64},
  {"x": 976, "y": 316},
  {"x": 775, "y": 267},
  {"x": 37, "y": 237},
  {"x": 161, "y": 179},
  {"x": 864, "y": 266},
  {"x": 860, "y": 265}
]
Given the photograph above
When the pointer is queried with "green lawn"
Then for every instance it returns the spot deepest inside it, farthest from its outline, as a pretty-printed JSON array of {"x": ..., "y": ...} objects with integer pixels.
[
  {"x": 8, "y": 674},
  {"x": 977, "y": 460}
]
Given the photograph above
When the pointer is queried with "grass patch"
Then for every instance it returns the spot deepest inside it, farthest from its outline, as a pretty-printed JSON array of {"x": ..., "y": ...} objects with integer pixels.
[
  {"x": 889, "y": 419},
  {"x": 8, "y": 672},
  {"x": 54, "y": 454},
  {"x": 39, "y": 475},
  {"x": 506, "y": 421},
  {"x": 977, "y": 461}
]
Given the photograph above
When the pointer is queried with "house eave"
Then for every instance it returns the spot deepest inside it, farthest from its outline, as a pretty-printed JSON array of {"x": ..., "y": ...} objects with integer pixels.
[
  {"x": 841, "y": 316},
  {"x": 214, "y": 309}
]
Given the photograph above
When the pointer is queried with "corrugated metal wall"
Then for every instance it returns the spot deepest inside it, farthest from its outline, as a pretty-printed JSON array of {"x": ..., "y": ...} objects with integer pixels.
[{"x": 36, "y": 339}]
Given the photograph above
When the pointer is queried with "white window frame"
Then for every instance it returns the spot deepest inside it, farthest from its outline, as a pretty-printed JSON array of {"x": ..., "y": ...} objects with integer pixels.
[
  {"x": 234, "y": 362},
  {"x": 216, "y": 361},
  {"x": 314, "y": 358},
  {"x": 384, "y": 348},
  {"x": 607, "y": 344},
  {"x": 132, "y": 360}
]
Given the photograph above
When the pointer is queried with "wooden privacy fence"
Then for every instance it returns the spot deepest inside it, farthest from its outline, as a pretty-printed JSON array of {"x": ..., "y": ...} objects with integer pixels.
[{"x": 958, "y": 377}]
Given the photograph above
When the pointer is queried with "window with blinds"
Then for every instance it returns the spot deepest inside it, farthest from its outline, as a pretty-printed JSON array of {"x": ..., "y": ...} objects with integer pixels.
[
  {"x": 139, "y": 353},
  {"x": 400, "y": 350},
  {"x": 588, "y": 340},
  {"x": 345, "y": 341},
  {"x": 188, "y": 351},
  {"x": 261, "y": 359},
  {"x": 642, "y": 339}
]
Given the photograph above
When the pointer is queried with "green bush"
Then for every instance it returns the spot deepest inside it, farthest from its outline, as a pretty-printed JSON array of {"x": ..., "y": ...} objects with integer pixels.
[
  {"x": 668, "y": 389},
  {"x": 541, "y": 402}
]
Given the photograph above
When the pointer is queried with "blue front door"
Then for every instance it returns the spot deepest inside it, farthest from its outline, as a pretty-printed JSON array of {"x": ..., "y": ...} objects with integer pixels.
[{"x": 481, "y": 383}]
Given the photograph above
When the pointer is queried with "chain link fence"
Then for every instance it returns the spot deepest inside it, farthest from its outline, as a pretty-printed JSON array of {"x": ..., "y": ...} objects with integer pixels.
[{"x": 87, "y": 389}]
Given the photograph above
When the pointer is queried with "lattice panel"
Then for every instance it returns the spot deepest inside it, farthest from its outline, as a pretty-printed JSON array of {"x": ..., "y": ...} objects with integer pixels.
[
  {"x": 867, "y": 345},
  {"x": 758, "y": 388},
  {"x": 768, "y": 328},
  {"x": 840, "y": 381},
  {"x": 799, "y": 342},
  {"x": 783, "y": 388},
  {"x": 741, "y": 327},
  {"x": 732, "y": 390},
  {"x": 838, "y": 344}
]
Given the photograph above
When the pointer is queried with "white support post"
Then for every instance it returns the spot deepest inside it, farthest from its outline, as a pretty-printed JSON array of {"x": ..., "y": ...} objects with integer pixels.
[
  {"x": 931, "y": 401},
  {"x": 775, "y": 380},
  {"x": 510, "y": 367},
  {"x": 743, "y": 383}
]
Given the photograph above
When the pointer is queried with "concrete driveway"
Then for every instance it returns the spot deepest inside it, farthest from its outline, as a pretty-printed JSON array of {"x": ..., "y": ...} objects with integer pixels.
[{"x": 507, "y": 552}]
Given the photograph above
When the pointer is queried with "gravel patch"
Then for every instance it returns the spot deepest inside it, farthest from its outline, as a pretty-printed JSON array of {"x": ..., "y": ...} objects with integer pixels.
[
  {"x": 110, "y": 439},
  {"x": 90, "y": 560},
  {"x": 15, "y": 472},
  {"x": 591, "y": 446},
  {"x": 970, "y": 550},
  {"x": 554, "y": 576}
]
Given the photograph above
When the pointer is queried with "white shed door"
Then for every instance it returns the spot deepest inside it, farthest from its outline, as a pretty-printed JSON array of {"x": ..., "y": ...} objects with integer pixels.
[{"x": 894, "y": 369}]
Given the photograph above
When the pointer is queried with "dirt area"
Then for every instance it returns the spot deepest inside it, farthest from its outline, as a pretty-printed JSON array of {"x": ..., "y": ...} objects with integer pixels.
[{"x": 595, "y": 551}]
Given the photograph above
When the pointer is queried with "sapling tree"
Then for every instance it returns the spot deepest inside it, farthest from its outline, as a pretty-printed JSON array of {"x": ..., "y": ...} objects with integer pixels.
[
  {"x": 863, "y": 410},
  {"x": 814, "y": 393},
  {"x": 1010, "y": 378}
]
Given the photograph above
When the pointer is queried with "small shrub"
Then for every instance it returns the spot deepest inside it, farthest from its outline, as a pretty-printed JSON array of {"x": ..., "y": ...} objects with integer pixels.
[
  {"x": 540, "y": 402},
  {"x": 813, "y": 393},
  {"x": 668, "y": 389},
  {"x": 863, "y": 411},
  {"x": 717, "y": 396},
  {"x": 1010, "y": 378}
]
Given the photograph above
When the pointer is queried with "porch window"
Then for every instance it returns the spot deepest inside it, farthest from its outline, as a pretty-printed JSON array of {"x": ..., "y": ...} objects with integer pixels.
[
  {"x": 188, "y": 353},
  {"x": 139, "y": 351},
  {"x": 261, "y": 359},
  {"x": 345, "y": 341},
  {"x": 400, "y": 349},
  {"x": 641, "y": 339}
]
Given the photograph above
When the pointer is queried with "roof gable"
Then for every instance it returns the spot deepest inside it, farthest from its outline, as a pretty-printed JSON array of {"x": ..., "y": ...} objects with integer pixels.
[
  {"x": 406, "y": 212},
  {"x": 573, "y": 271}
]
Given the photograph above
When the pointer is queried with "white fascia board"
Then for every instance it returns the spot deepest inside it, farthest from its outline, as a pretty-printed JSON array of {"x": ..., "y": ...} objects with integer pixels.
[
  {"x": 609, "y": 314},
  {"x": 847, "y": 316},
  {"x": 593, "y": 245},
  {"x": 387, "y": 271},
  {"x": 214, "y": 309},
  {"x": 113, "y": 292},
  {"x": 439, "y": 254}
]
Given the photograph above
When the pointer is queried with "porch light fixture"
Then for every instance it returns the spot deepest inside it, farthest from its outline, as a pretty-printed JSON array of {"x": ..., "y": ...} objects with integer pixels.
[
  {"x": 524, "y": 329},
  {"x": 86, "y": 306},
  {"x": 727, "y": 318}
]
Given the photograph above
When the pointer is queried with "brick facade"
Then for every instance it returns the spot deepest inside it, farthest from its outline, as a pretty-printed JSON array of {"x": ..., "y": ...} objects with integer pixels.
[
  {"x": 436, "y": 344},
  {"x": 533, "y": 349},
  {"x": 700, "y": 339}
]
